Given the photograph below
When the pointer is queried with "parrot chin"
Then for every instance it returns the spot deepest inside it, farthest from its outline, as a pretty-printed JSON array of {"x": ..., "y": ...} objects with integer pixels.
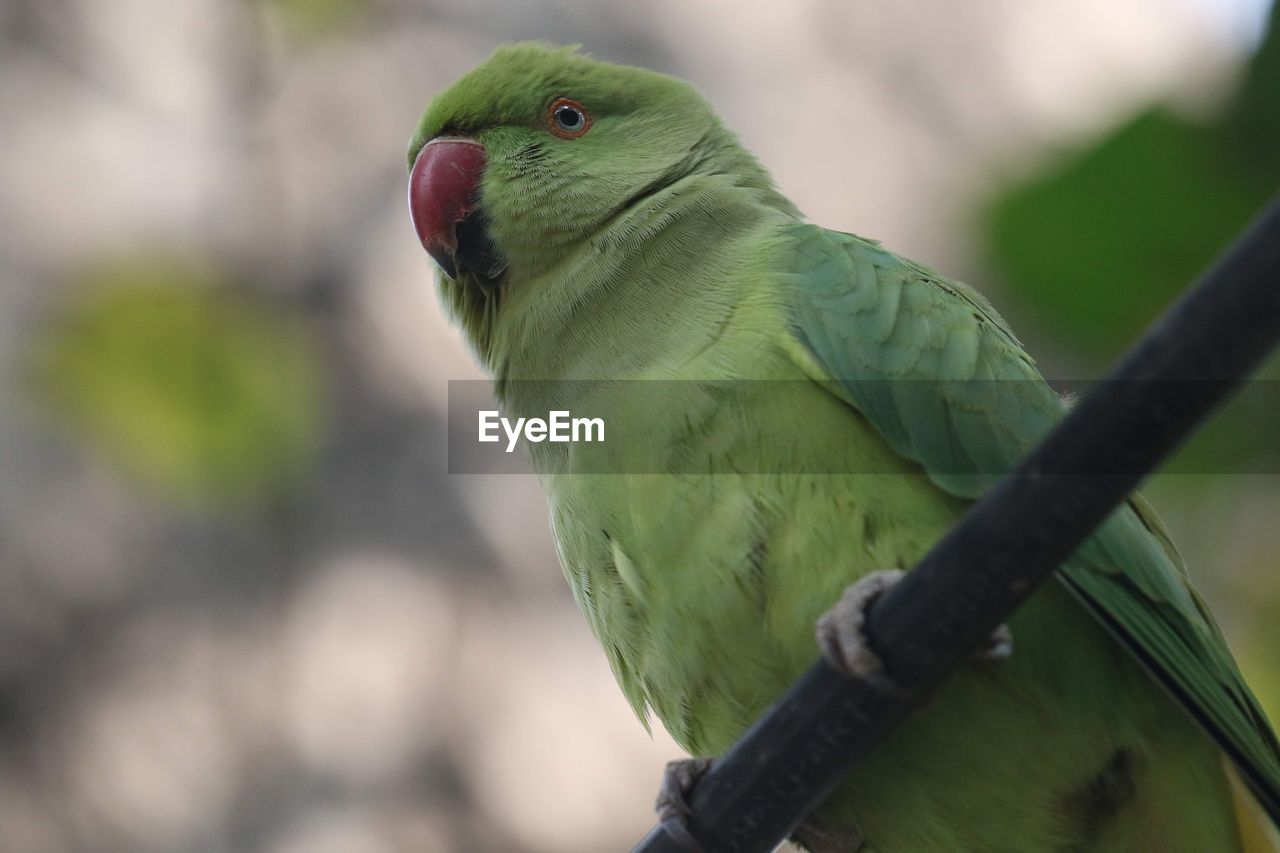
[{"x": 444, "y": 196}]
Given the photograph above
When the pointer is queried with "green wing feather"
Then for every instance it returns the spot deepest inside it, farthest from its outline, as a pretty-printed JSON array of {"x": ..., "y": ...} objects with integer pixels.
[{"x": 940, "y": 375}]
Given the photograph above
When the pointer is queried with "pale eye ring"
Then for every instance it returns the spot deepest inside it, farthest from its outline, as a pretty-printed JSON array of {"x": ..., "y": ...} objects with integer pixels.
[{"x": 568, "y": 119}]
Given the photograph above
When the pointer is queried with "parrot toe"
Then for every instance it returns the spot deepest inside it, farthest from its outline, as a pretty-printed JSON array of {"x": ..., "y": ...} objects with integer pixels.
[
  {"x": 1000, "y": 646},
  {"x": 845, "y": 646},
  {"x": 840, "y": 629},
  {"x": 672, "y": 804}
]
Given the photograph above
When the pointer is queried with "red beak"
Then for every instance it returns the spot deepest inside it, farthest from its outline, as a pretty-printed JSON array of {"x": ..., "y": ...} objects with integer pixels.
[{"x": 444, "y": 187}]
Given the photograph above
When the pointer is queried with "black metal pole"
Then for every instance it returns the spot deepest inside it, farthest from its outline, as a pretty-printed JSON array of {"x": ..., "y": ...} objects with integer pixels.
[{"x": 1002, "y": 549}]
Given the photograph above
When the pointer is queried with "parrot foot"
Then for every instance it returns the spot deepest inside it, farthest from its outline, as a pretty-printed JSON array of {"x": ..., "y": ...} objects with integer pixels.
[
  {"x": 672, "y": 804},
  {"x": 840, "y": 631}
]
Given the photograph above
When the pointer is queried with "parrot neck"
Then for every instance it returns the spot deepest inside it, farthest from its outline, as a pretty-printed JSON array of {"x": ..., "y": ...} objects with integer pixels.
[
  {"x": 643, "y": 292},
  {"x": 536, "y": 241},
  {"x": 577, "y": 287}
]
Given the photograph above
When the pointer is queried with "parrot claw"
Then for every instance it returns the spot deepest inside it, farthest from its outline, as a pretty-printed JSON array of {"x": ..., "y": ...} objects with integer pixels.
[
  {"x": 1000, "y": 645},
  {"x": 672, "y": 804},
  {"x": 840, "y": 631}
]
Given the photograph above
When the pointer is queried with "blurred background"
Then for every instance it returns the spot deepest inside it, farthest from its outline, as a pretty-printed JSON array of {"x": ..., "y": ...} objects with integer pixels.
[{"x": 243, "y": 607}]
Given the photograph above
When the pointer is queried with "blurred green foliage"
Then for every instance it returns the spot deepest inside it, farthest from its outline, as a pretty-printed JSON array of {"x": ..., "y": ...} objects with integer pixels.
[
  {"x": 1102, "y": 243},
  {"x": 193, "y": 386},
  {"x": 1257, "y": 653},
  {"x": 316, "y": 18}
]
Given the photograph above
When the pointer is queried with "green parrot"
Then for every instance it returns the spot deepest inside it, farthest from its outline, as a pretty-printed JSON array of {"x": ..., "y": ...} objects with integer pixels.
[{"x": 800, "y": 409}]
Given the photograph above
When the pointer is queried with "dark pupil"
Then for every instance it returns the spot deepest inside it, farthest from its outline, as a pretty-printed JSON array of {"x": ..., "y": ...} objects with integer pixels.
[{"x": 568, "y": 117}]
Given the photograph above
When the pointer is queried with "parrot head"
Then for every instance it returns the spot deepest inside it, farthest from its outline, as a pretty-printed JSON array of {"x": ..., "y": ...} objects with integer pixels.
[{"x": 516, "y": 166}]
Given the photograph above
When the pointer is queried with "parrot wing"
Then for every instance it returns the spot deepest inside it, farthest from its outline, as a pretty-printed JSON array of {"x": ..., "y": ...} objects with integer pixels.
[{"x": 942, "y": 378}]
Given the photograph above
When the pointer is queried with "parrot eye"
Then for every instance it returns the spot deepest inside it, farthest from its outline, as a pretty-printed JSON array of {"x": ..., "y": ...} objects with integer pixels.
[{"x": 567, "y": 118}]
